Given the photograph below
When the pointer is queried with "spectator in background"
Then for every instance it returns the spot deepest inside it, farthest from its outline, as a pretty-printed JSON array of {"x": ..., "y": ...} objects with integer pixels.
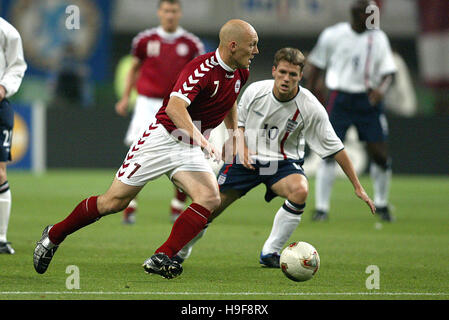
[
  {"x": 12, "y": 70},
  {"x": 159, "y": 55}
]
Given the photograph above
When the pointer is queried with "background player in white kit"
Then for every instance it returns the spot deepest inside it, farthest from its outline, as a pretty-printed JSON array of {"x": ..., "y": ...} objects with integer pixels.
[
  {"x": 277, "y": 117},
  {"x": 359, "y": 68},
  {"x": 12, "y": 70},
  {"x": 159, "y": 54}
]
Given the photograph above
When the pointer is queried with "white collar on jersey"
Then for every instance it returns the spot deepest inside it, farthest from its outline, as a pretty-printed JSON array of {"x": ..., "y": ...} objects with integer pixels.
[
  {"x": 221, "y": 62},
  {"x": 169, "y": 35}
]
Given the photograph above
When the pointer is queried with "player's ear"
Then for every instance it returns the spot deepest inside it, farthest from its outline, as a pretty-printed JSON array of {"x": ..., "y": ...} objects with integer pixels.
[
  {"x": 233, "y": 46},
  {"x": 273, "y": 71}
]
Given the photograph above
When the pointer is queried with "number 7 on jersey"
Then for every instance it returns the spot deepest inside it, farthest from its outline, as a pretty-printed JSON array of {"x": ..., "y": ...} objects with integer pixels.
[{"x": 217, "y": 84}]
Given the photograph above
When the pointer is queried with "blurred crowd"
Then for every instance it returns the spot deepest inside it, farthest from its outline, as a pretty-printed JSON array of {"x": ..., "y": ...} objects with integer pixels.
[{"x": 81, "y": 63}]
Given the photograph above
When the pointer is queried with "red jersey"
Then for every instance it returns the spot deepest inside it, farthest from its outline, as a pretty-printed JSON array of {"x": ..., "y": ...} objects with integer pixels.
[
  {"x": 210, "y": 87},
  {"x": 163, "y": 55}
]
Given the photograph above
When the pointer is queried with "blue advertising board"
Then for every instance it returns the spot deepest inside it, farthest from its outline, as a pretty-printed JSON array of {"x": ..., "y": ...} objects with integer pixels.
[{"x": 22, "y": 137}]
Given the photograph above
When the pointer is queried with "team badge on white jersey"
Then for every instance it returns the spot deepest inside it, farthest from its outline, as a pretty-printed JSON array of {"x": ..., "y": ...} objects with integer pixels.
[{"x": 291, "y": 125}]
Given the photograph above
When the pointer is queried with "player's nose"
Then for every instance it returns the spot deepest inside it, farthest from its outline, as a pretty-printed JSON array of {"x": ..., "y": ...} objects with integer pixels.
[{"x": 256, "y": 50}]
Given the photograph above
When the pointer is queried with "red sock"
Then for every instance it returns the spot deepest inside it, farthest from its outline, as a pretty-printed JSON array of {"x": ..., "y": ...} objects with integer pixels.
[
  {"x": 181, "y": 196},
  {"x": 85, "y": 213},
  {"x": 185, "y": 228}
]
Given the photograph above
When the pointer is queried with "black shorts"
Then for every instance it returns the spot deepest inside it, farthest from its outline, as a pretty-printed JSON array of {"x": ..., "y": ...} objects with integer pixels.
[
  {"x": 236, "y": 177},
  {"x": 346, "y": 109},
  {"x": 6, "y": 125}
]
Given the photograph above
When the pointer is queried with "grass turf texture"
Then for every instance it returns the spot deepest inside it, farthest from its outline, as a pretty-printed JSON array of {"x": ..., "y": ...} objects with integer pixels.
[{"x": 412, "y": 253}]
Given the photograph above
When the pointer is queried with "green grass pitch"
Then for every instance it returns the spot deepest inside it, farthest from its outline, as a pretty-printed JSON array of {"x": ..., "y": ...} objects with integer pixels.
[{"x": 412, "y": 253}]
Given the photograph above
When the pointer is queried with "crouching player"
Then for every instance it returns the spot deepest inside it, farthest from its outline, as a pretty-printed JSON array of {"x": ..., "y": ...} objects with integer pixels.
[{"x": 276, "y": 118}]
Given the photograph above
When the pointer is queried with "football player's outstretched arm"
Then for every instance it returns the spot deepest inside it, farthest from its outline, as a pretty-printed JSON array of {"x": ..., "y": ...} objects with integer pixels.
[
  {"x": 346, "y": 165},
  {"x": 177, "y": 111}
]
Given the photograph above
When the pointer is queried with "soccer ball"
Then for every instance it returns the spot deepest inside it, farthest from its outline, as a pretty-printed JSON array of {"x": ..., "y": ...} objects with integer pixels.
[{"x": 299, "y": 261}]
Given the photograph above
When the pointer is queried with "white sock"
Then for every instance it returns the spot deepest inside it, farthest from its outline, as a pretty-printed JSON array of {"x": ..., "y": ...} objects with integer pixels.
[
  {"x": 177, "y": 204},
  {"x": 5, "y": 210},
  {"x": 381, "y": 183},
  {"x": 324, "y": 181},
  {"x": 284, "y": 224},
  {"x": 185, "y": 252},
  {"x": 133, "y": 204}
]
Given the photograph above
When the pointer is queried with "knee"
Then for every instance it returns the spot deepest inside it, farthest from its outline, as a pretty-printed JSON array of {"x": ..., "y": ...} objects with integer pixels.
[
  {"x": 382, "y": 161},
  {"x": 299, "y": 193},
  {"x": 379, "y": 155},
  {"x": 213, "y": 202}
]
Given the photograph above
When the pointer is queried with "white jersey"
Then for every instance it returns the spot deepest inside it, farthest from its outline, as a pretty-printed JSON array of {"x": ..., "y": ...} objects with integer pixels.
[
  {"x": 12, "y": 63},
  {"x": 354, "y": 62},
  {"x": 278, "y": 130}
]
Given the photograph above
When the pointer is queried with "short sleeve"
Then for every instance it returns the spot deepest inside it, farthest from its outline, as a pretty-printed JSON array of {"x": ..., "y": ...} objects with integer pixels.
[
  {"x": 319, "y": 55},
  {"x": 199, "y": 48},
  {"x": 15, "y": 65},
  {"x": 319, "y": 133},
  {"x": 196, "y": 45},
  {"x": 386, "y": 59},
  {"x": 138, "y": 47}
]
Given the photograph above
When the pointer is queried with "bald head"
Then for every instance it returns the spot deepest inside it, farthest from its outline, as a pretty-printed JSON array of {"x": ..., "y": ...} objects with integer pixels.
[
  {"x": 238, "y": 43},
  {"x": 235, "y": 30}
]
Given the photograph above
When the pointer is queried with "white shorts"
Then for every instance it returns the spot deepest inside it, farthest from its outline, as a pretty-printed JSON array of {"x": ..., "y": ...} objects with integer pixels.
[
  {"x": 156, "y": 153},
  {"x": 144, "y": 113}
]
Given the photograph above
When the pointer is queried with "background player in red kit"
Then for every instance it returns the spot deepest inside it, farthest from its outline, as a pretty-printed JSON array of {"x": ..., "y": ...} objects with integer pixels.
[
  {"x": 204, "y": 95},
  {"x": 159, "y": 54}
]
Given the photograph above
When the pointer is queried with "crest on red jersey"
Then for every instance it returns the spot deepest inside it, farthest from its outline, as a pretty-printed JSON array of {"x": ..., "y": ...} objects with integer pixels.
[
  {"x": 182, "y": 49},
  {"x": 237, "y": 86}
]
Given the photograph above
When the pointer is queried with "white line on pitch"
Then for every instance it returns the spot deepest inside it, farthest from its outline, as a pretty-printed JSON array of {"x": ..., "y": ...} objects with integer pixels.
[{"x": 229, "y": 293}]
